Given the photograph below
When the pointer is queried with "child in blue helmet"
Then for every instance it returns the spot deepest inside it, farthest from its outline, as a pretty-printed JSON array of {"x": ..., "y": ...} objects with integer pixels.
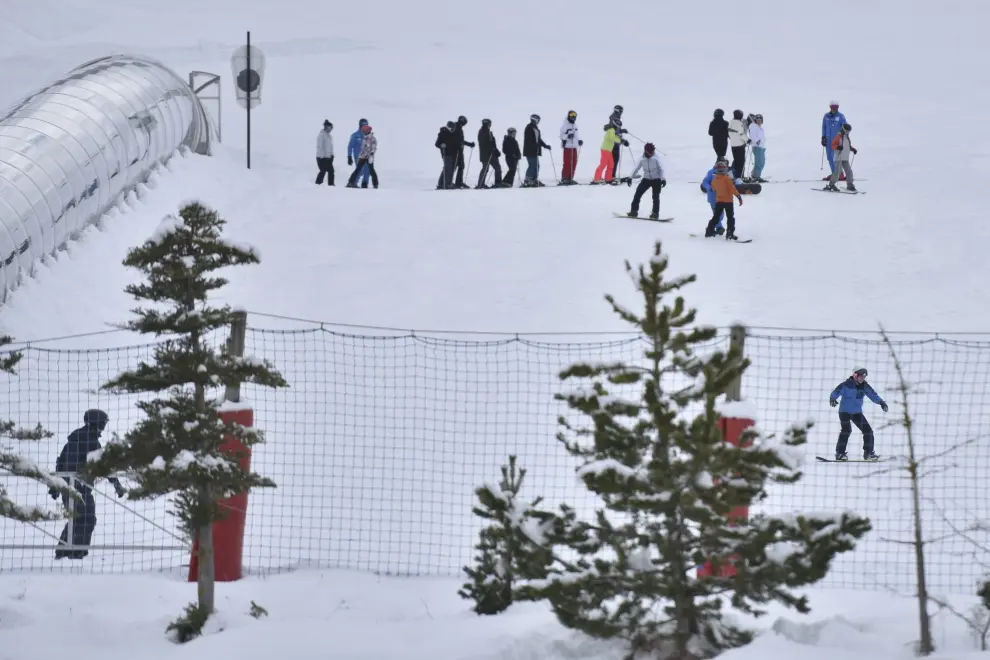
[
  {"x": 706, "y": 185},
  {"x": 851, "y": 393},
  {"x": 354, "y": 150}
]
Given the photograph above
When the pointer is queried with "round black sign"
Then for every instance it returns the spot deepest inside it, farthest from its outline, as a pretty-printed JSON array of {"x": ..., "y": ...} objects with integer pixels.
[{"x": 248, "y": 80}]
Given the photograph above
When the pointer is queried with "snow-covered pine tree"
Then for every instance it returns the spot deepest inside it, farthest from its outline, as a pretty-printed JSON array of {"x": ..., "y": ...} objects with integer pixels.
[
  {"x": 175, "y": 449},
  {"x": 502, "y": 552},
  {"x": 17, "y": 465},
  {"x": 668, "y": 481}
]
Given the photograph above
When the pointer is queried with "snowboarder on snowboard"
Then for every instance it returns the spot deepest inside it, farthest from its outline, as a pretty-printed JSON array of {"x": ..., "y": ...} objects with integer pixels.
[
  {"x": 832, "y": 122},
  {"x": 570, "y": 140},
  {"x": 725, "y": 190},
  {"x": 842, "y": 146},
  {"x": 653, "y": 179},
  {"x": 851, "y": 392}
]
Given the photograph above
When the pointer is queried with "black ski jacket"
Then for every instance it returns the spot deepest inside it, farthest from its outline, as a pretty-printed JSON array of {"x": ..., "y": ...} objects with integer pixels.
[
  {"x": 533, "y": 144},
  {"x": 487, "y": 145},
  {"x": 510, "y": 148},
  {"x": 719, "y": 129},
  {"x": 443, "y": 137}
]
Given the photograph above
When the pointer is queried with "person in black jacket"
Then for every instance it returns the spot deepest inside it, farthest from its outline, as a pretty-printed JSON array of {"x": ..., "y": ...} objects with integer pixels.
[
  {"x": 489, "y": 153},
  {"x": 533, "y": 146},
  {"x": 510, "y": 149},
  {"x": 79, "y": 444},
  {"x": 456, "y": 145},
  {"x": 718, "y": 129},
  {"x": 615, "y": 119},
  {"x": 447, "y": 155}
]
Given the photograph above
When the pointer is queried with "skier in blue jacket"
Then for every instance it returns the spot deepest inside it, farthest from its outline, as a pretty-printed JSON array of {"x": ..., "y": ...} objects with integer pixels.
[
  {"x": 832, "y": 122},
  {"x": 354, "y": 150},
  {"x": 851, "y": 392},
  {"x": 706, "y": 185}
]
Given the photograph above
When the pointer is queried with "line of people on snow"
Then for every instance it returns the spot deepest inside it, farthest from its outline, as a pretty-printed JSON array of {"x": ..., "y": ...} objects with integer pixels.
[
  {"x": 740, "y": 133},
  {"x": 361, "y": 149},
  {"x": 451, "y": 143}
]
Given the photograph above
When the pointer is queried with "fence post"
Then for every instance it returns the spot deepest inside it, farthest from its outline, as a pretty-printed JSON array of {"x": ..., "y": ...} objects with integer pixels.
[
  {"x": 228, "y": 532},
  {"x": 734, "y": 419}
]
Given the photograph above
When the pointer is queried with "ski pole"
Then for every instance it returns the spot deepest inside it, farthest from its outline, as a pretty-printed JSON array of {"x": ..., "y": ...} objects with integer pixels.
[{"x": 467, "y": 172}]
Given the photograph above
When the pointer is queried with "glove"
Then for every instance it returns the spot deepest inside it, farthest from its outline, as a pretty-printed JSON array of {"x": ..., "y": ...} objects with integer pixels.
[
  {"x": 663, "y": 182},
  {"x": 120, "y": 491},
  {"x": 622, "y": 130},
  {"x": 854, "y": 150},
  {"x": 497, "y": 153},
  {"x": 625, "y": 143},
  {"x": 470, "y": 144},
  {"x": 839, "y": 148},
  {"x": 52, "y": 493},
  {"x": 350, "y": 161},
  {"x": 740, "y": 201},
  {"x": 883, "y": 407},
  {"x": 824, "y": 141},
  {"x": 629, "y": 182},
  {"x": 563, "y": 144},
  {"x": 832, "y": 402},
  {"x": 749, "y": 142},
  {"x": 580, "y": 143}
]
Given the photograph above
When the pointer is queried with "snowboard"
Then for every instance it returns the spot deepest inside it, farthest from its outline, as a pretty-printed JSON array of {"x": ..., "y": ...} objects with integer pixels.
[
  {"x": 640, "y": 217},
  {"x": 743, "y": 188},
  {"x": 844, "y": 192},
  {"x": 882, "y": 459},
  {"x": 719, "y": 238}
]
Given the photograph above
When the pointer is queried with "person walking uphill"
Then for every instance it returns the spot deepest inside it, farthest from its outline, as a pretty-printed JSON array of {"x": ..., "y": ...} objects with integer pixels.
[
  {"x": 366, "y": 157},
  {"x": 849, "y": 397},
  {"x": 725, "y": 190},
  {"x": 489, "y": 153},
  {"x": 78, "y": 445},
  {"x": 718, "y": 129},
  {"x": 832, "y": 122},
  {"x": 533, "y": 146},
  {"x": 653, "y": 179},
  {"x": 354, "y": 150},
  {"x": 570, "y": 140},
  {"x": 324, "y": 153}
]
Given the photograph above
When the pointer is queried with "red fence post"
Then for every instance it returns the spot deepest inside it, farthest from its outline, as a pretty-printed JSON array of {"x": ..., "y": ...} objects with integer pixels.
[
  {"x": 228, "y": 533},
  {"x": 732, "y": 426}
]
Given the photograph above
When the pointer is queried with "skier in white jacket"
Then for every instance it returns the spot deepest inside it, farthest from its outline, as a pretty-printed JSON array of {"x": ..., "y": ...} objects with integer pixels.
[
  {"x": 570, "y": 140},
  {"x": 324, "y": 153},
  {"x": 653, "y": 179},
  {"x": 738, "y": 138},
  {"x": 758, "y": 142}
]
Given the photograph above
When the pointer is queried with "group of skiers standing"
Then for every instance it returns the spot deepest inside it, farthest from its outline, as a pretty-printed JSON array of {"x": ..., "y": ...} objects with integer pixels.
[
  {"x": 739, "y": 133},
  {"x": 361, "y": 149}
]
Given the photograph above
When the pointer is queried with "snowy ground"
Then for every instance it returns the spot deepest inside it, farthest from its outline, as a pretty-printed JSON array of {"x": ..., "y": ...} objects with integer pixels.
[
  {"x": 363, "y": 617},
  {"x": 406, "y": 256}
]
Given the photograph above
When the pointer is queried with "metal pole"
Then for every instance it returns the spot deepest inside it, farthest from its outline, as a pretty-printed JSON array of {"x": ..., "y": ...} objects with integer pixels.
[{"x": 249, "y": 81}]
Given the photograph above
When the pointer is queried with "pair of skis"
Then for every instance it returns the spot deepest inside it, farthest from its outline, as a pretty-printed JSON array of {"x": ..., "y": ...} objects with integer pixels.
[
  {"x": 639, "y": 217},
  {"x": 855, "y": 460}
]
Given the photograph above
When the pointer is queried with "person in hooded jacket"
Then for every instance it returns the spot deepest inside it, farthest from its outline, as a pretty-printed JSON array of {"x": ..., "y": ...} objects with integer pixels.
[
  {"x": 570, "y": 140},
  {"x": 489, "y": 154},
  {"x": 758, "y": 141},
  {"x": 615, "y": 119},
  {"x": 653, "y": 179},
  {"x": 510, "y": 149},
  {"x": 706, "y": 185},
  {"x": 832, "y": 122},
  {"x": 354, "y": 150},
  {"x": 738, "y": 139},
  {"x": 718, "y": 129},
  {"x": 324, "y": 153},
  {"x": 848, "y": 396},
  {"x": 446, "y": 155},
  {"x": 72, "y": 458},
  {"x": 457, "y": 143},
  {"x": 842, "y": 146},
  {"x": 366, "y": 157},
  {"x": 533, "y": 146}
]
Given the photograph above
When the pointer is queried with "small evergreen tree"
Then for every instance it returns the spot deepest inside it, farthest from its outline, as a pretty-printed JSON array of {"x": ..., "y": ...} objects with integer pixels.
[
  {"x": 176, "y": 447},
  {"x": 16, "y": 465},
  {"x": 668, "y": 482},
  {"x": 505, "y": 547}
]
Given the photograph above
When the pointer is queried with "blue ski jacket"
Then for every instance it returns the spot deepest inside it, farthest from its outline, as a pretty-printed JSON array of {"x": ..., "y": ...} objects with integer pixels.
[
  {"x": 850, "y": 393},
  {"x": 706, "y": 183},
  {"x": 357, "y": 137},
  {"x": 831, "y": 124}
]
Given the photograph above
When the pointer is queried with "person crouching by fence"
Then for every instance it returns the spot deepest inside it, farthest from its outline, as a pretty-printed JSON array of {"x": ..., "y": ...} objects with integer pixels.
[{"x": 79, "y": 444}]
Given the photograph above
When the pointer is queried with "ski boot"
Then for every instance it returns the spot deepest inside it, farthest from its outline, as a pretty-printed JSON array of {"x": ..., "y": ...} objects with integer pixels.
[
  {"x": 831, "y": 187},
  {"x": 351, "y": 185},
  {"x": 460, "y": 186},
  {"x": 872, "y": 456},
  {"x": 364, "y": 184},
  {"x": 841, "y": 457},
  {"x": 731, "y": 237},
  {"x": 654, "y": 216},
  {"x": 482, "y": 186},
  {"x": 633, "y": 214},
  {"x": 719, "y": 230},
  {"x": 850, "y": 187}
]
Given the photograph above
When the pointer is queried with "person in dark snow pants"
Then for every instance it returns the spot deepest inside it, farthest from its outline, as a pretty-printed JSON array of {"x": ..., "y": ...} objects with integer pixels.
[
  {"x": 533, "y": 146},
  {"x": 446, "y": 155},
  {"x": 78, "y": 445},
  {"x": 354, "y": 151},
  {"x": 718, "y": 129},
  {"x": 488, "y": 153},
  {"x": 848, "y": 395},
  {"x": 456, "y": 145},
  {"x": 510, "y": 149},
  {"x": 324, "y": 153},
  {"x": 615, "y": 119}
]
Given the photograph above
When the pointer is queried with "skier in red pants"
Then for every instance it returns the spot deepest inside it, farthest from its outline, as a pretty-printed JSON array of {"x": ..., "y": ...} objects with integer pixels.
[{"x": 570, "y": 140}]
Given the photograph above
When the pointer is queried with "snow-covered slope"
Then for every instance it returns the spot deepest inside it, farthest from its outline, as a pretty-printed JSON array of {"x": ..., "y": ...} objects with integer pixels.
[{"x": 406, "y": 256}]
